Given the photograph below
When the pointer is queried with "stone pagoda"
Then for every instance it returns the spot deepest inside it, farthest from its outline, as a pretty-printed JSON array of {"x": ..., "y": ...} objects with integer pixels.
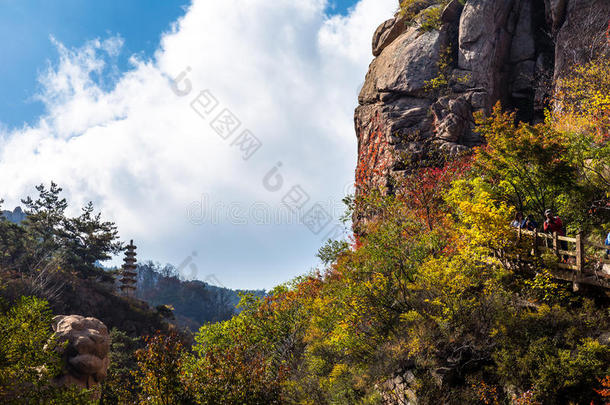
[{"x": 129, "y": 272}]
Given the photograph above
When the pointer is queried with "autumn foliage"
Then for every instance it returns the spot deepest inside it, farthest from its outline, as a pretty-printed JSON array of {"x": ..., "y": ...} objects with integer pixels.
[
  {"x": 436, "y": 287},
  {"x": 434, "y": 299},
  {"x": 373, "y": 158}
]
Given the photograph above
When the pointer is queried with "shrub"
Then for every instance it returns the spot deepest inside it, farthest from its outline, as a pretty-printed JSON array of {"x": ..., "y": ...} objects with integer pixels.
[{"x": 28, "y": 360}]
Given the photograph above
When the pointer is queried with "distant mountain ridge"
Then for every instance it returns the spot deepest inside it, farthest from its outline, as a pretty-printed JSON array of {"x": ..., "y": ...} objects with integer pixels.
[
  {"x": 15, "y": 216},
  {"x": 194, "y": 302}
]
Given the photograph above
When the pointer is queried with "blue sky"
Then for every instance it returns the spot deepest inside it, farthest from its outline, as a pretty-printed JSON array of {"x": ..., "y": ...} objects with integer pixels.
[
  {"x": 26, "y": 25},
  {"x": 104, "y": 120},
  {"x": 25, "y": 28}
]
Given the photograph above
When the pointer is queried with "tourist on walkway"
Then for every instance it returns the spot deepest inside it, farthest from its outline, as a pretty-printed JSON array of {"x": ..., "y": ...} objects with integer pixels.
[
  {"x": 518, "y": 222},
  {"x": 553, "y": 223},
  {"x": 608, "y": 243},
  {"x": 530, "y": 224}
]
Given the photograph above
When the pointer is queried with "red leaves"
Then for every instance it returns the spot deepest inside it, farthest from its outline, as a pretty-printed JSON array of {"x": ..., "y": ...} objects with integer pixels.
[
  {"x": 605, "y": 391},
  {"x": 423, "y": 191},
  {"x": 371, "y": 161}
]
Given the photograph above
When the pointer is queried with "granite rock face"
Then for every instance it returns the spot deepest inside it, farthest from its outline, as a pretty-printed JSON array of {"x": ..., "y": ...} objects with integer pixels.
[
  {"x": 86, "y": 352},
  {"x": 486, "y": 51}
]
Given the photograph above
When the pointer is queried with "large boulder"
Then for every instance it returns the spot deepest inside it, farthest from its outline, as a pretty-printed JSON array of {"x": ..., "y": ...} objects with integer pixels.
[
  {"x": 395, "y": 102},
  {"x": 405, "y": 66},
  {"x": 387, "y": 33},
  {"x": 85, "y": 344}
]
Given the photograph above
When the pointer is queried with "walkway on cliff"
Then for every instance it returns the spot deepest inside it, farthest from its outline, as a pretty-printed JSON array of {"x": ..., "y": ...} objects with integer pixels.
[{"x": 581, "y": 262}]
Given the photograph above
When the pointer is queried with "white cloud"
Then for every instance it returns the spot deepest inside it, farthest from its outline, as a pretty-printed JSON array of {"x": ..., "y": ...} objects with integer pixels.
[{"x": 289, "y": 72}]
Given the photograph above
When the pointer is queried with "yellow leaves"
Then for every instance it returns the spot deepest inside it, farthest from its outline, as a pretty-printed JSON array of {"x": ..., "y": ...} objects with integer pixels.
[
  {"x": 410, "y": 8},
  {"x": 441, "y": 81},
  {"x": 495, "y": 332},
  {"x": 411, "y": 316},
  {"x": 583, "y": 99},
  {"x": 482, "y": 221},
  {"x": 449, "y": 282},
  {"x": 338, "y": 371}
]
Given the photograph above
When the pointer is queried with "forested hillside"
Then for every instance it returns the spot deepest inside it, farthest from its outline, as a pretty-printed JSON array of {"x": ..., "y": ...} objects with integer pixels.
[
  {"x": 478, "y": 189},
  {"x": 48, "y": 266},
  {"x": 436, "y": 300},
  {"x": 193, "y": 302}
]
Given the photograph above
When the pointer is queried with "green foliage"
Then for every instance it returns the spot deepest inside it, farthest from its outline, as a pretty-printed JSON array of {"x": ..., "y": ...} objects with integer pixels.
[
  {"x": 52, "y": 256},
  {"x": 87, "y": 239},
  {"x": 28, "y": 360},
  {"x": 330, "y": 252},
  {"x": 426, "y": 12},
  {"x": 24, "y": 333},
  {"x": 436, "y": 284},
  {"x": 527, "y": 166},
  {"x": 431, "y": 17},
  {"x": 13, "y": 244},
  {"x": 120, "y": 385},
  {"x": 440, "y": 83},
  {"x": 549, "y": 351},
  {"x": 46, "y": 218},
  {"x": 435, "y": 288},
  {"x": 411, "y": 8},
  {"x": 584, "y": 99},
  {"x": 48, "y": 235},
  {"x": 537, "y": 167},
  {"x": 241, "y": 360},
  {"x": 545, "y": 289}
]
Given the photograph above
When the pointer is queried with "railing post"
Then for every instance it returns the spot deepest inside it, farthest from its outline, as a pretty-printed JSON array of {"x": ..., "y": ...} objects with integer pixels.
[
  {"x": 555, "y": 244},
  {"x": 535, "y": 250},
  {"x": 580, "y": 261}
]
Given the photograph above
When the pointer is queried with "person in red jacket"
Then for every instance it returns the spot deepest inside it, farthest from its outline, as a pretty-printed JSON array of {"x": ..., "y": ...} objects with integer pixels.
[{"x": 553, "y": 223}]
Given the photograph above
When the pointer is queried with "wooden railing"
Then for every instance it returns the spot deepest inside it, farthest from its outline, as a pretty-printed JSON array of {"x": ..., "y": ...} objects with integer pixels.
[{"x": 587, "y": 263}]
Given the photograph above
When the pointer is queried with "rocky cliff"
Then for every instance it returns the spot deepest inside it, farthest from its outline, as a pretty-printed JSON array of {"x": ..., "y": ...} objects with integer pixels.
[{"x": 437, "y": 62}]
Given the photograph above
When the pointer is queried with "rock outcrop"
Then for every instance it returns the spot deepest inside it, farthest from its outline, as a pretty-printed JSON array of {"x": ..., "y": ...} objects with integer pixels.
[
  {"x": 85, "y": 354},
  {"x": 15, "y": 216},
  {"x": 398, "y": 391},
  {"x": 425, "y": 84}
]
